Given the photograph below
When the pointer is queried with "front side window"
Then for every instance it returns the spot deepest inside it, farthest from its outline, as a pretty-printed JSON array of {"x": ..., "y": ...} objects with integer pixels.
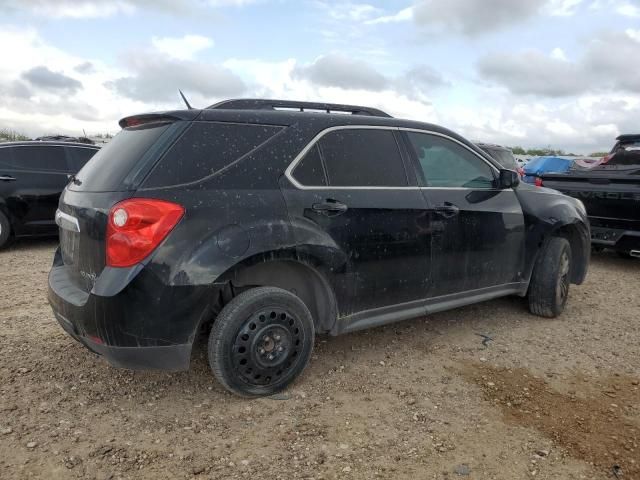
[
  {"x": 41, "y": 157},
  {"x": 445, "y": 163},
  {"x": 362, "y": 158}
]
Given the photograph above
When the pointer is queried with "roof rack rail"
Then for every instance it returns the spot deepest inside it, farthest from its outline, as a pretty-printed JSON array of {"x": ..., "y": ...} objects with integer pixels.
[{"x": 259, "y": 104}]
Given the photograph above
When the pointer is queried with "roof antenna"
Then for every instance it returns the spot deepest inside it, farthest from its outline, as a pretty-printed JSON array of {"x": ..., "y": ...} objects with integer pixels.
[{"x": 186, "y": 102}]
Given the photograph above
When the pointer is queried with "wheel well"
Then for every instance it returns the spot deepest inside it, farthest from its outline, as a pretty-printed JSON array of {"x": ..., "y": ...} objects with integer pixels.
[
  {"x": 579, "y": 251},
  {"x": 298, "y": 277}
]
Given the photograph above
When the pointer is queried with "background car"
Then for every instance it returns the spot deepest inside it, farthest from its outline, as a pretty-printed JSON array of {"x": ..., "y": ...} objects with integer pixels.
[
  {"x": 503, "y": 155},
  {"x": 32, "y": 176}
]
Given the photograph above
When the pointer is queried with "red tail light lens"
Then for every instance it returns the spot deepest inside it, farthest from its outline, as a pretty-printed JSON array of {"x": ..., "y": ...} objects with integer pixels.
[
  {"x": 538, "y": 182},
  {"x": 136, "y": 227}
]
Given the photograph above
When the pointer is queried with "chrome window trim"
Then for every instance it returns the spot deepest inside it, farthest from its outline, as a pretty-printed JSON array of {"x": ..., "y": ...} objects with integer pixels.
[
  {"x": 289, "y": 171},
  {"x": 89, "y": 147}
]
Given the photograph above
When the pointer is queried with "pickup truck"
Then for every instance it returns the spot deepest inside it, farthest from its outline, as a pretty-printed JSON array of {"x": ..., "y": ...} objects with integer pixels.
[{"x": 610, "y": 192}]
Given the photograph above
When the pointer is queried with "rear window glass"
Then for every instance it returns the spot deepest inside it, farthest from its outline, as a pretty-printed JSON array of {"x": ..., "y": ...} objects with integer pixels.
[
  {"x": 79, "y": 156},
  {"x": 42, "y": 157},
  {"x": 107, "y": 169},
  {"x": 206, "y": 148},
  {"x": 6, "y": 159}
]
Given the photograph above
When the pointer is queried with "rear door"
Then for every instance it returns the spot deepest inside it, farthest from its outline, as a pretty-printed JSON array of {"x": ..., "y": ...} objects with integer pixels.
[
  {"x": 351, "y": 189},
  {"x": 478, "y": 230},
  {"x": 32, "y": 189}
]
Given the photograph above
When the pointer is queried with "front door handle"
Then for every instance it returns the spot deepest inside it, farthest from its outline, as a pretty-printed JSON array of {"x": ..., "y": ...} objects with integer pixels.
[
  {"x": 330, "y": 207},
  {"x": 447, "y": 210},
  {"x": 7, "y": 178}
]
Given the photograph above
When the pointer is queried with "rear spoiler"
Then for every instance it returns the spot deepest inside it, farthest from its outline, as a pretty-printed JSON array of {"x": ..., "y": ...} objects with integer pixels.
[{"x": 148, "y": 118}]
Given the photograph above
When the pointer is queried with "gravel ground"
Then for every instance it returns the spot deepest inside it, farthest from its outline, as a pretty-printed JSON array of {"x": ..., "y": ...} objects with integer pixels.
[{"x": 422, "y": 399}]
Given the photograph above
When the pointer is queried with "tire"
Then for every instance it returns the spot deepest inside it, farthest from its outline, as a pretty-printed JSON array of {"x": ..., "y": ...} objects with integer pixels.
[
  {"x": 261, "y": 342},
  {"x": 549, "y": 287},
  {"x": 5, "y": 231}
]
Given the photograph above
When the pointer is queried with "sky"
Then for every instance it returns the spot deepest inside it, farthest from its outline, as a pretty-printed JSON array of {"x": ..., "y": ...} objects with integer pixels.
[{"x": 535, "y": 73}]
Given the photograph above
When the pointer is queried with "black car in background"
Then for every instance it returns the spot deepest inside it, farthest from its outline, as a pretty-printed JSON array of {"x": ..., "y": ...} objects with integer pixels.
[
  {"x": 503, "y": 155},
  {"x": 264, "y": 223},
  {"x": 611, "y": 194},
  {"x": 32, "y": 177}
]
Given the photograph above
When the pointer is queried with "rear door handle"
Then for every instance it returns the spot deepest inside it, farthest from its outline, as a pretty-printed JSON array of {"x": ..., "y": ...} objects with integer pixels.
[
  {"x": 330, "y": 207},
  {"x": 7, "y": 178},
  {"x": 447, "y": 210}
]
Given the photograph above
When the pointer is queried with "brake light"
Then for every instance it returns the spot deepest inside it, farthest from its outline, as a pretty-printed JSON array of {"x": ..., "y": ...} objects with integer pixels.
[
  {"x": 538, "y": 182},
  {"x": 136, "y": 227}
]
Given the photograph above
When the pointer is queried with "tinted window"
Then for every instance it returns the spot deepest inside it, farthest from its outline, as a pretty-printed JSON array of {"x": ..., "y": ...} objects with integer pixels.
[
  {"x": 309, "y": 171},
  {"x": 504, "y": 157},
  {"x": 6, "y": 158},
  {"x": 108, "y": 168},
  {"x": 79, "y": 156},
  {"x": 445, "y": 163},
  {"x": 363, "y": 158},
  {"x": 204, "y": 149},
  {"x": 40, "y": 158}
]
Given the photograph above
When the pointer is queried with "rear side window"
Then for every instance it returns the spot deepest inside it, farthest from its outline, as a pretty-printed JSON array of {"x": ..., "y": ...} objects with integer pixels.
[
  {"x": 6, "y": 157},
  {"x": 447, "y": 164},
  {"x": 310, "y": 171},
  {"x": 43, "y": 158},
  {"x": 79, "y": 156},
  {"x": 206, "y": 148},
  {"x": 107, "y": 169},
  {"x": 363, "y": 158}
]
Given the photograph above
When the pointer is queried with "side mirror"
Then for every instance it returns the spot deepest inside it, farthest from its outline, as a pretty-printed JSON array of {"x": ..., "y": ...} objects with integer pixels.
[{"x": 508, "y": 179}]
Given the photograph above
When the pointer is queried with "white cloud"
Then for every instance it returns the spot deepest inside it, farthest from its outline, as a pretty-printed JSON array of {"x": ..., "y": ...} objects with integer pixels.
[
  {"x": 404, "y": 15},
  {"x": 183, "y": 48},
  {"x": 629, "y": 10},
  {"x": 558, "y": 54},
  {"x": 107, "y": 8},
  {"x": 563, "y": 8}
]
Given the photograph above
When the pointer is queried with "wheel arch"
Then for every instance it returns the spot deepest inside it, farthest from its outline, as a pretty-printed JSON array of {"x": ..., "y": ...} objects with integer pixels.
[
  {"x": 580, "y": 249},
  {"x": 304, "y": 276}
]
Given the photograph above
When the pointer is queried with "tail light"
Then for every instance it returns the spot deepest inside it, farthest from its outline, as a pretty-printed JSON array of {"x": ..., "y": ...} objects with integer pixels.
[
  {"x": 136, "y": 227},
  {"x": 538, "y": 182}
]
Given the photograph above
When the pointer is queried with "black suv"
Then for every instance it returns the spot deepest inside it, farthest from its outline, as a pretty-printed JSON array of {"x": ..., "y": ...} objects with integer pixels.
[
  {"x": 32, "y": 177},
  {"x": 265, "y": 223}
]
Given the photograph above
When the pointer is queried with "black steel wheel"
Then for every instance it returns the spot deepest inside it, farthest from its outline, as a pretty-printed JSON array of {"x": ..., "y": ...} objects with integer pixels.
[{"x": 261, "y": 341}]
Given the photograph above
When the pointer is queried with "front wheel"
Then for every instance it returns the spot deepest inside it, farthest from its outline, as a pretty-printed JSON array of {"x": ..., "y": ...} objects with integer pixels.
[
  {"x": 549, "y": 287},
  {"x": 5, "y": 230},
  {"x": 261, "y": 341}
]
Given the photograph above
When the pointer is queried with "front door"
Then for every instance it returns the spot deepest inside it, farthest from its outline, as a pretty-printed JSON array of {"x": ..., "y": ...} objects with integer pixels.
[
  {"x": 478, "y": 229},
  {"x": 353, "y": 204}
]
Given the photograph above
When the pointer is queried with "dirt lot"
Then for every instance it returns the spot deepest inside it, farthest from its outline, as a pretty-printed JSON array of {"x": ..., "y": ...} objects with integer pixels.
[{"x": 423, "y": 399}]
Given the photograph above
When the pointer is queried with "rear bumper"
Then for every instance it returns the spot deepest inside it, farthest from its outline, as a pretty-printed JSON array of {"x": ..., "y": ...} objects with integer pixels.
[
  {"x": 148, "y": 324},
  {"x": 618, "y": 239},
  {"x": 170, "y": 358}
]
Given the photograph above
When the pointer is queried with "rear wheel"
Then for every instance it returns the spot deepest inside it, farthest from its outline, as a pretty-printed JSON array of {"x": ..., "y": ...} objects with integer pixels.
[
  {"x": 549, "y": 288},
  {"x": 5, "y": 230},
  {"x": 261, "y": 341}
]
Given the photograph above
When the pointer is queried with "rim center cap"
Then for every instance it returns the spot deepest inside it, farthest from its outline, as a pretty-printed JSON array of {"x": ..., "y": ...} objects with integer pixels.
[{"x": 268, "y": 344}]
